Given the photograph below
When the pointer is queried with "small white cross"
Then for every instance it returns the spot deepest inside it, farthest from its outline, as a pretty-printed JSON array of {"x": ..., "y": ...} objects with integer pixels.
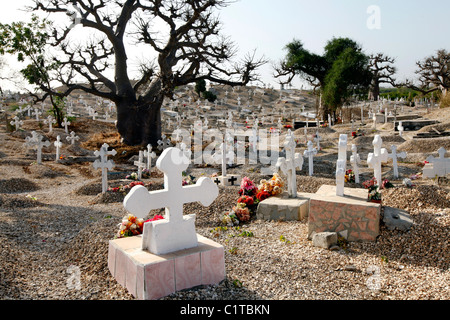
[
  {"x": 149, "y": 155},
  {"x": 17, "y": 122},
  {"x": 355, "y": 160},
  {"x": 58, "y": 145},
  {"x": 400, "y": 128},
  {"x": 50, "y": 120},
  {"x": 37, "y": 113},
  {"x": 66, "y": 123},
  {"x": 164, "y": 143},
  {"x": 35, "y": 141},
  {"x": 140, "y": 164},
  {"x": 341, "y": 165},
  {"x": 290, "y": 163},
  {"x": 394, "y": 155},
  {"x": 310, "y": 153},
  {"x": 72, "y": 138},
  {"x": 104, "y": 164},
  {"x": 375, "y": 159}
]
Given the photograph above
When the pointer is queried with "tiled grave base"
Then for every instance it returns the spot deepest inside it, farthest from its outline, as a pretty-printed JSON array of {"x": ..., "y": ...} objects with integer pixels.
[
  {"x": 147, "y": 276},
  {"x": 352, "y": 212},
  {"x": 283, "y": 208}
]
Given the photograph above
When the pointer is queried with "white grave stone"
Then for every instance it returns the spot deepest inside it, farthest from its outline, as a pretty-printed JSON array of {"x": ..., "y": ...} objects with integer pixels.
[
  {"x": 437, "y": 167},
  {"x": 310, "y": 153},
  {"x": 289, "y": 164},
  {"x": 66, "y": 123},
  {"x": 50, "y": 121},
  {"x": 341, "y": 165},
  {"x": 355, "y": 160},
  {"x": 140, "y": 164},
  {"x": 375, "y": 159},
  {"x": 35, "y": 141},
  {"x": 149, "y": 154},
  {"x": 72, "y": 138},
  {"x": 104, "y": 164},
  {"x": 16, "y": 123},
  {"x": 394, "y": 155},
  {"x": 400, "y": 129},
  {"x": 177, "y": 231},
  {"x": 58, "y": 145}
]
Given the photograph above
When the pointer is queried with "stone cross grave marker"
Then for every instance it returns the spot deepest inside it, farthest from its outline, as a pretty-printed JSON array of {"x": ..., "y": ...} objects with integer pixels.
[
  {"x": 355, "y": 160},
  {"x": 72, "y": 138},
  {"x": 317, "y": 139},
  {"x": 149, "y": 154},
  {"x": 50, "y": 121},
  {"x": 400, "y": 128},
  {"x": 66, "y": 123},
  {"x": 394, "y": 155},
  {"x": 441, "y": 165},
  {"x": 341, "y": 165},
  {"x": 310, "y": 153},
  {"x": 104, "y": 164},
  {"x": 36, "y": 113},
  {"x": 177, "y": 231},
  {"x": 164, "y": 143},
  {"x": 289, "y": 164},
  {"x": 140, "y": 164},
  {"x": 35, "y": 141},
  {"x": 16, "y": 123},
  {"x": 375, "y": 159},
  {"x": 58, "y": 145}
]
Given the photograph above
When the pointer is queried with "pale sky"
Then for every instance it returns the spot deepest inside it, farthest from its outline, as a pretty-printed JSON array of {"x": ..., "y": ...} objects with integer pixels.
[{"x": 406, "y": 30}]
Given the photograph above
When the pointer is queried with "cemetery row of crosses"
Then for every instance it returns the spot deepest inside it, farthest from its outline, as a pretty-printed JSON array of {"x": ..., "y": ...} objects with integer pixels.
[{"x": 265, "y": 149}]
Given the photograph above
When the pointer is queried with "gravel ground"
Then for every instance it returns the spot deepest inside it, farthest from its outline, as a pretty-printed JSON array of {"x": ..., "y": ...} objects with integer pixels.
[{"x": 56, "y": 226}]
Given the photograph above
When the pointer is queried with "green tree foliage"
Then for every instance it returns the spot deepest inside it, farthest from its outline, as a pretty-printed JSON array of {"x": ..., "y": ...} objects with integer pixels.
[
  {"x": 339, "y": 72},
  {"x": 200, "y": 87},
  {"x": 28, "y": 41}
]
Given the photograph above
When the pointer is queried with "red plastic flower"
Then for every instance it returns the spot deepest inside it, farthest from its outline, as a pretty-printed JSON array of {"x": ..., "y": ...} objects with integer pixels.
[{"x": 247, "y": 200}]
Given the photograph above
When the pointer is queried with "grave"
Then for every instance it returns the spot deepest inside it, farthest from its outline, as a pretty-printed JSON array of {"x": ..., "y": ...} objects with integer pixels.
[
  {"x": 104, "y": 164},
  {"x": 169, "y": 256},
  {"x": 437, "y": 167}
]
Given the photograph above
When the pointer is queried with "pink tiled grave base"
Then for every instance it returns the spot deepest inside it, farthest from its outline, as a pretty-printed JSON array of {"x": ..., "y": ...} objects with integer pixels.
[
  {"x": 331, "y": 213},
  {"x": 147, "y": 276}
]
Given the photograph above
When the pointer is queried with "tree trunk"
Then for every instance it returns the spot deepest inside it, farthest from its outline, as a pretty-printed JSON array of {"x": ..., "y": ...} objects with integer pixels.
[
  {"x": 374, "y": 91},
  {"x": 139, "y": 124}
]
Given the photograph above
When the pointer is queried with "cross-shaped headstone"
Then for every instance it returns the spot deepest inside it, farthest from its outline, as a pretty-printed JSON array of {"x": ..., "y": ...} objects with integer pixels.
[
  {"x": 104, "y": 164},
  {"x": 176, "y": 231},
  {"x": 441, "y": 165},
  {"x": 58, "y": 145},
  {"x": 140, "y": 164},
  {"x": 317, "y": 139},
  {"x": 164, "y": 143},
  {"x": 66, "y": 123},
  {"x": 37, "y": 113},
  {"x": 50, "y": 120},
  {"x": 16, "y": 123},
  {"x": 375, "y": 159},
  {"x": 341, "y": 165},
  {"x": 355, "y": 160},
  {"x": 149, "y": 154},
  {"x": 289, "y": 164},
  {"x": 310, "y": 153},
  {"x": 400, "y": 128},
  {"x": 72, "y": 138},
  {"x": 394, "y": 155},
  {"x": 35, "y": 141}
]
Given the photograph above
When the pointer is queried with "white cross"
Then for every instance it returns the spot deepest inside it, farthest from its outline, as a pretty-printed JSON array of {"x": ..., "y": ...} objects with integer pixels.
[
  {"x": 50, "y": 120},
  {"x": 400, "y": 128},
  {"x": 36, "y": 113},
  {"x": 289, "y": 164},
  {"x": 394, "y": 155},
  {"x": 58, "y": 145},
  {"x": 341, "y": 165},
  {"x": 310, "y": 153},
  {"x": 140, "y": 164},
  {"x": 35, "y": 141},
  {"x": 375, "y": 159},
  {"x": 104, "y": 164},
  {"x": 17, "y": 122},
  {"x": 441, "y": 165},
  {"x": 28, "y": 108},
  {"x": 317, "y": 139},
  {"x": 149, "y": 155},
  {"x": 164, "y": 143},
  {"x": 355, "y": 160},
  {"x": 176, "y": 231},
  {"x": 66, "y": 123},
  {"x": 72, "y": 138}
]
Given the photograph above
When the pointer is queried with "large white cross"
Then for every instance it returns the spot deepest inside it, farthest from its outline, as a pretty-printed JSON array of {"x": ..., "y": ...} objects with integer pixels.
[
  {"x": 375, "y": 159},
  {"x": 310, "y": 153},
  {"x": 35, "y": 141},
  {"x": 355, "y": 160},
  {"x": 104, "y": 164},
  {"x": 394, "y": 155},
  {"x": 289, "y": 164},
  {"x": 176, "y": 231},
  {"x": 341, "y": 165},
  {"x": 58, "y": 145}
]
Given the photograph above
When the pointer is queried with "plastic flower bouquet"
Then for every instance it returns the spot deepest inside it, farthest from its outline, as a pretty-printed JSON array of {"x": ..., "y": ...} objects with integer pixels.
[
  {"x": 349, "y": 176},
  {"x": 248, "y": 187},
  {"x": 273, "y": 186},
  {"x": 242, "y": 212},
  {"x": 373, "y": 189},
  {"x": 130, "y": 226}
]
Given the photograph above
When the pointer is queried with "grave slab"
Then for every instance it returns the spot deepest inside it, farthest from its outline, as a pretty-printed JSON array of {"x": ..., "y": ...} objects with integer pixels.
[
  {"x": 148, "y": 276},
  {"x": 284, "y": 208},
  {"x": 351, "y": 212}
]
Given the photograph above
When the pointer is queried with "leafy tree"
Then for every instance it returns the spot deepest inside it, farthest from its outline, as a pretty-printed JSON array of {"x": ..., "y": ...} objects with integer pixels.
[
  {"x": 342, "y": 69},
  {"x": 200, "y": 87},
  {"x": 208, "y": 95},
  {"x": 28, "y": 42},
  {"x": 184, "y": 37}
]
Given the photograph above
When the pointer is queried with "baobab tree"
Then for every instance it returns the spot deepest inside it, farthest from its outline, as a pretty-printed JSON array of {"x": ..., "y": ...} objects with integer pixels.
[
  {"x": 383, "y": 71},
  {"x": 183, "y": 36}
]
